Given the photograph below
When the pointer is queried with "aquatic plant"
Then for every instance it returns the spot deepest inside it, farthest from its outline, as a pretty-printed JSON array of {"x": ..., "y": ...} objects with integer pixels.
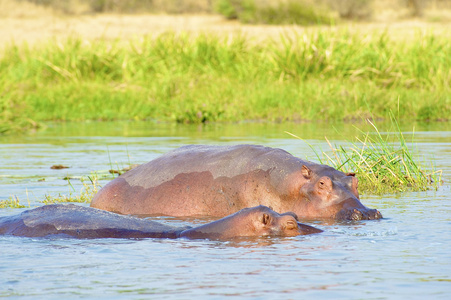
[
  {"x": 383, "y": 163},
  {"x": 85, "y": 195},
  {"x": 12, "y": 202},
  {"x": 90, "y": 185}
]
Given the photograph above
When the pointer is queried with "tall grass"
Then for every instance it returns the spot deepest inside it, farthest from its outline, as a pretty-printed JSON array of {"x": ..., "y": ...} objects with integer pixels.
[
  {"x": 325, "y": 75},
  {"x": 383, "y": 163}
]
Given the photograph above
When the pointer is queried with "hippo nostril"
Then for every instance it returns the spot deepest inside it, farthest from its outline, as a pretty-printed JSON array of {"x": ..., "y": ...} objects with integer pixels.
[
  {"x": 374, "y": 214},
  {"x": 357, "y": 215},
  {"x": 377, "y": 215}
]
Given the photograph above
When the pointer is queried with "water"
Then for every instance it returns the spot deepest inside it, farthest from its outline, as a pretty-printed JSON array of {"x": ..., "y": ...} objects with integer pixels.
[{"x": 405, "y": 255}]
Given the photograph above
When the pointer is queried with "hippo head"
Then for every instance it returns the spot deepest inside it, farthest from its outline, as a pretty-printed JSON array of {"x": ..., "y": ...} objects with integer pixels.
[
  {"x": 252, "y": 222},
  {"x": 263, "y": 221},
  {"x": 286, "y": 224},
  {"x": 328, "y": 193}
]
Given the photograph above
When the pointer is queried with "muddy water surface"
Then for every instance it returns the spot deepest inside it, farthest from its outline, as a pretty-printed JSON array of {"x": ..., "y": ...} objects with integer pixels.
[{"x": 405, "y": 255}]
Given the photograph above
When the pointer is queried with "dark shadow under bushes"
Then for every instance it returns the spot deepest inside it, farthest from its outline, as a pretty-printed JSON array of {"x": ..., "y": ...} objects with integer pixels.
[
  {"x": 275, "y": 12},
  {"x": 301, "y": 12}
]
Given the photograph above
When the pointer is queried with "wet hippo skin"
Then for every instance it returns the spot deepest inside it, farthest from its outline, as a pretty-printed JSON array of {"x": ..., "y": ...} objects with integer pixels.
[
  {"x": 87, "y": 222},
  {"x": 197, "y": 180}
]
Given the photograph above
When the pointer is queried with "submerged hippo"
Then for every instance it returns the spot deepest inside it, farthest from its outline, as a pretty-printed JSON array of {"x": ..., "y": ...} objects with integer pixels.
[
  {"x": 220, "y": 180},
  {"x": 88, "y": 222}
]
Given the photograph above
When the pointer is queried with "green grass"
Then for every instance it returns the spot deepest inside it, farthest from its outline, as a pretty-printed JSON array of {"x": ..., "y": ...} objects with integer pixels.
[
  {"x": 383, "y": 163},
  {"x": 86, "y": 194},
  {"x": 326, "y": 75},
  {"x": 12, "y": 202}
]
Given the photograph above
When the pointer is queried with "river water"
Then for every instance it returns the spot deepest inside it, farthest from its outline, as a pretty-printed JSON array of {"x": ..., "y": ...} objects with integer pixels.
[{"x": 406, "y": 255}]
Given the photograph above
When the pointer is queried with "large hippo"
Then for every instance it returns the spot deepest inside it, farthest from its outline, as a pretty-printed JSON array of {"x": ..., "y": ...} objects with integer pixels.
[
  {"x": 220, "y": 180},
  {"x": 87, "y": 222}
]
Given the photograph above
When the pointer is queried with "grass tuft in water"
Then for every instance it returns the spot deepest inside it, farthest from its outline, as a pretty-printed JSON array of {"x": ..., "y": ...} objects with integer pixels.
[
  {"x": 90, "y": 187},
  {"x": 12, "y": 202},
  {"x": 87, "y": 192},
  {"x": 383, "y": 163}
]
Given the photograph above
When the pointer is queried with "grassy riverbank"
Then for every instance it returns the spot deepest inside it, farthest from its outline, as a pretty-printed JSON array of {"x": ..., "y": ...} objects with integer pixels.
[{"x": 324, "y": 75}]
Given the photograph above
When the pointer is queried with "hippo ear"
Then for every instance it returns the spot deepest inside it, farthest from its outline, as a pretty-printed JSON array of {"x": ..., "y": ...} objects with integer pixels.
[
  {"x": 350, "y": 174},
  {"x": 265, "y": 219},
  {"x": 306, "y": 172}
]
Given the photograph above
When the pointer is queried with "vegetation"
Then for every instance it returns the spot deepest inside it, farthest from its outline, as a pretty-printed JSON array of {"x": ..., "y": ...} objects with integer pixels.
[
  {"x": 248, "y": 11},
  {"x": 126, "y": 6},
  {"x": 85, "y": 195},
  {"x": 87, "y": 192},
  {"x": 382, "y": 163},
  {"x": 274, "y": 12},
  {"x": 325, "y": 75},
  {"x": 12, "y": 202}
]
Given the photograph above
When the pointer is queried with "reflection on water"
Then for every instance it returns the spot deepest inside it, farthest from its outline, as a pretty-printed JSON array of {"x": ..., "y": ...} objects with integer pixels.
[{"x": 405, "y": 255}]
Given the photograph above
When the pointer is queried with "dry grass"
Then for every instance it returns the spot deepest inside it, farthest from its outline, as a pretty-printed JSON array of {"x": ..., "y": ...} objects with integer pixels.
[
  {"x": 25, "y": 22},
  {"x": 22, "y": 10}
]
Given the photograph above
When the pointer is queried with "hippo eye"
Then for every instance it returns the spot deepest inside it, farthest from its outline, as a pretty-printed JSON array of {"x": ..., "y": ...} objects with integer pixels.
[
  {"x": 291, "y": 225},
  {"x": 325, "y": 183}
]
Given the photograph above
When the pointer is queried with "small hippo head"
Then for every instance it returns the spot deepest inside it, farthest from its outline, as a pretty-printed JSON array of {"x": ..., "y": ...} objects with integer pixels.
[
  {"x": 252, "y": 222},
  {"x": 271, "y": 223},
  {"x": 328, "y": 193},
  {"x": 262, "y": 221}
]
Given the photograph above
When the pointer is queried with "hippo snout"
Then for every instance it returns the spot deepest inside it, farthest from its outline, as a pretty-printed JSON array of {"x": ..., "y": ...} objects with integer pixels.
[{"x": 359, "y": 214}]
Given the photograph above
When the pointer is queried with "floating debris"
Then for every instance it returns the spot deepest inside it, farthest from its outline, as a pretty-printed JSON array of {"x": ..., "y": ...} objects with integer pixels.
[{"x": 58, "y": 167}]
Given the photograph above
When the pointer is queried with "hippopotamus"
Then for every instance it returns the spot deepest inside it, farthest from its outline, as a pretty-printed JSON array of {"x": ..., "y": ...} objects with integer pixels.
[
  {"x": 201, "y": 180},
  {"x": 87, "y": 222}
]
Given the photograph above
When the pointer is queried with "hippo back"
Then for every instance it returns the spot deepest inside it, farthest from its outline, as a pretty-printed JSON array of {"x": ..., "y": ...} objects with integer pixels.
[
  {"x": 220, "y": 161},
  {"x": 201, "y": 180},
  {"x": 82, "y": 222}
]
